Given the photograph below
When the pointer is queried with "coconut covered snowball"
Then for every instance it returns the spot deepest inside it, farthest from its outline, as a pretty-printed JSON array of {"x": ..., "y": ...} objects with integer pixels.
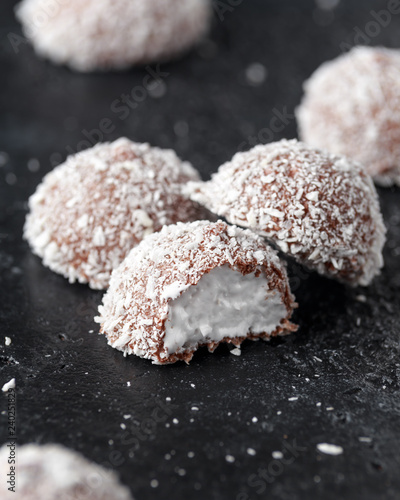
[
  {"x": 320, "y": 209},
  {"x": 195, "y": 284},
  {"x": 351, "y": 106},
  {"x": 90, "y": 211},
  {"x": 113, "y": 34},
  {"x": 51, "y": 472}
]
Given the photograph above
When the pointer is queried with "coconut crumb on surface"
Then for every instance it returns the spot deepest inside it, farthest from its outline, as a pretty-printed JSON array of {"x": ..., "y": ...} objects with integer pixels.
[
  {"x": 364, "y": 439},
  {"x": 256, "y": 74},
  {"x": 329, "y": 449},
  {"x": 33, "y": 165},
  {"x": 154, "y": 483},
  {"x": 9, "y": 385}
]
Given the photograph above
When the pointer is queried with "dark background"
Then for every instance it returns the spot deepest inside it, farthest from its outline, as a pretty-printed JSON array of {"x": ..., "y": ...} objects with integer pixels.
[{"x": 72, "y": 388}]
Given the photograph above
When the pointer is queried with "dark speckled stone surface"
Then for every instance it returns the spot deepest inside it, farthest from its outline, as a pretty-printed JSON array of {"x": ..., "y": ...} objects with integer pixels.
[{"x": 343, "y": 365}]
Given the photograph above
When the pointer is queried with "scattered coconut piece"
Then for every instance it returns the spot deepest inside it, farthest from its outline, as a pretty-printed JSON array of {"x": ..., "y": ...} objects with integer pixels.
[
  {"x": 154, "y": 483},
  {"x": 329, "y": 449},
  {"x": 364, "y": 439},
  {"x": 9, "y": 385}
]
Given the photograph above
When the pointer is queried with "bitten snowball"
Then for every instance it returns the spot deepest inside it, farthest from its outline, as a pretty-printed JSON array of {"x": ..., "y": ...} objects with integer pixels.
[
  {"x": 89, "y": 212},
  {"x": 51, "y": 472},
  {"x": 195, "y": 284},
  {"x": 320, "y": 209},
  {"x": 113, "y": 34},
  {"x": 351, "y": 106}
]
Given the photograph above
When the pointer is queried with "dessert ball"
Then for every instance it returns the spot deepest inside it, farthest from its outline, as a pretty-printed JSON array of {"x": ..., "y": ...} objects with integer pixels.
[
  {"x": 113, "y": 34},
  {"x": 51, "y": 472},
  {"x": 351, "y": 106},
  {"x": 320, "y": 209},
  {"x": 90, "y": 211},
  {"x": 195, "y": 284}
]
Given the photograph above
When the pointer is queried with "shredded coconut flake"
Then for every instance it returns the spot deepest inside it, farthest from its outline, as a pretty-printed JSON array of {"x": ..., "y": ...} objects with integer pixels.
[
  {"x": 329, "y": 449},
  {"x": 9, "y": 385}
]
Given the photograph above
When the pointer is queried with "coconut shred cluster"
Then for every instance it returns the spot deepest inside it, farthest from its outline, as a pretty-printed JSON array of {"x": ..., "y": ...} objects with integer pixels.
[{"x": 127, "y": 217}]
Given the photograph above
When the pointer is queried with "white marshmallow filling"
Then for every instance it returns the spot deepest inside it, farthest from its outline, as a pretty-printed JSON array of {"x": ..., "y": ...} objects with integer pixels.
[{"x": 224, "y": 303}]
